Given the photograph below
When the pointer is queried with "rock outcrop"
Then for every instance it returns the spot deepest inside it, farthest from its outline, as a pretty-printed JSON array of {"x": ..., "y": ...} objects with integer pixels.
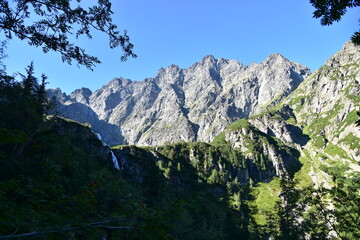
[{"x": 318, "y": 118}]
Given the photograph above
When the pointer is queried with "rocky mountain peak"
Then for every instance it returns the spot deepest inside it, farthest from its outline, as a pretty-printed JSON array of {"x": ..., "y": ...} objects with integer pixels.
[
  {"x": 208, "y": 62},
  {"x": 169, "y": 75},
  {"x": 345, "y": 56},
  {"x": 118, "y": 83},
  {"x": 277, "y": 60},
  {"x": 275, "y": 57},
  {"x": 208, "y": 59},
  {"x": 81, "y": 95},
  {"x": 57, "y": 94}
]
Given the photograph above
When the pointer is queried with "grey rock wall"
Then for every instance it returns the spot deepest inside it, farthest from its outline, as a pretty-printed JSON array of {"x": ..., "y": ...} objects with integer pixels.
[{"x": 193, "y": 104}]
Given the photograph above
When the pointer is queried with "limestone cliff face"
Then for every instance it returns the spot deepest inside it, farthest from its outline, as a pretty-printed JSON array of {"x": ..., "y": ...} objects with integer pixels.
[
  {"x": 329, "y": 100},
  {"x": 193, "y": 104},
  {"x": 318, "y": 118},
  {"x": 210, "y": 163},
  {"x": 267, "y": 152}
]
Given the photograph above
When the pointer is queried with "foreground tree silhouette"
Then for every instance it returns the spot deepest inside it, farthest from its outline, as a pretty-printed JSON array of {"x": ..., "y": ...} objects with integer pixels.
[
  {"x": 50, "y": 23},
  {"x": 332, "y": 11}
]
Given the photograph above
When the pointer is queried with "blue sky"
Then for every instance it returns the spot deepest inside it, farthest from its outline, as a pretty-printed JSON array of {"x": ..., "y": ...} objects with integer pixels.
[{"x": 182, "y": 32}]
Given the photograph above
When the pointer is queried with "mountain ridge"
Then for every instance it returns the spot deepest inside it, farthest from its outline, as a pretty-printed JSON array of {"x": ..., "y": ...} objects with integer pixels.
[{"x": 192, "y": 104}]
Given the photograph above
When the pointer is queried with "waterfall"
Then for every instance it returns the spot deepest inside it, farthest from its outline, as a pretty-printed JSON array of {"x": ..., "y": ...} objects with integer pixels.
[
  {"x": 98, "y": 135},
  {"x": 115, "y": 161}
]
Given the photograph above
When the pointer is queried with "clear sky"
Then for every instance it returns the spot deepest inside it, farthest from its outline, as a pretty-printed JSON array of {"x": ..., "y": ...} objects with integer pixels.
[{"x": 182, "y": 32}]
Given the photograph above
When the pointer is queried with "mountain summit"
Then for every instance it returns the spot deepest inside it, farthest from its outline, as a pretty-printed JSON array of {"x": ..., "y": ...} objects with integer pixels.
[{"x": 193, "y": 104}]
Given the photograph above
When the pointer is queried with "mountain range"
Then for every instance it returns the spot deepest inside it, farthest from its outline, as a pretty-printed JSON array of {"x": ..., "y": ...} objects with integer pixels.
[{"x": 193, "y": 104}]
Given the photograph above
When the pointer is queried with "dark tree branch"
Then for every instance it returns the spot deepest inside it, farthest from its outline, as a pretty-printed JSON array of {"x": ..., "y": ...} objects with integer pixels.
[
  {"x": 58, "y": 19},
  {"x": 331, "y": 11}
]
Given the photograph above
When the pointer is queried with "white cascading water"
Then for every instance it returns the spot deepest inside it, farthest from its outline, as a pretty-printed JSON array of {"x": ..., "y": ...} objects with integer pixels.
[
  {"x": 98, "y": 135},
  {"x": 114, "y": 158},
  {"x": 115, "y": 161}
]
